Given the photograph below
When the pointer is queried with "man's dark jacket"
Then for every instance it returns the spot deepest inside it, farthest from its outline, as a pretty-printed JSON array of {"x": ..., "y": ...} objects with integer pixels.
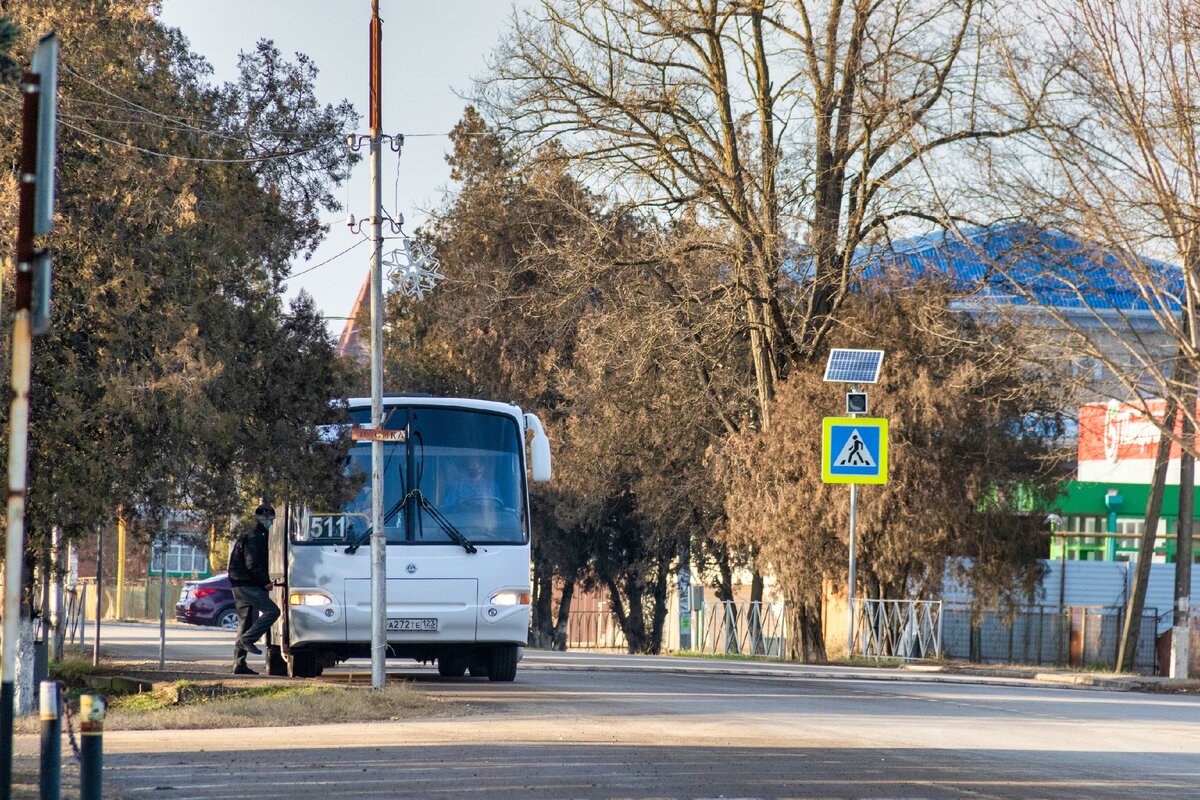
[{"x": 248, "y": 558}]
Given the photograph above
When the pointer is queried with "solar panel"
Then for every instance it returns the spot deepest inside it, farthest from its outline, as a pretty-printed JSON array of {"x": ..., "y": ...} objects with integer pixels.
[{"x": 853, "y": 366}]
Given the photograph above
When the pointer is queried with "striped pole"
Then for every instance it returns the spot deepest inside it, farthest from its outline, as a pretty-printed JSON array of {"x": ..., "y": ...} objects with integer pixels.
[
  {"x": 50, "y": 779},
  {"x": 91, "y": 747}
]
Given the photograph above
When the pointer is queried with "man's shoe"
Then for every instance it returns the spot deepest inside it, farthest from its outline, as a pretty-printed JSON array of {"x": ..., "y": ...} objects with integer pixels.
[
  {"x": 242, "y": 669},
  {"x": 251, "y": 648}
]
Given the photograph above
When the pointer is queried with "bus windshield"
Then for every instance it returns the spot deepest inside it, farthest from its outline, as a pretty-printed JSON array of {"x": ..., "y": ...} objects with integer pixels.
[{"x": 465, "y": 464}]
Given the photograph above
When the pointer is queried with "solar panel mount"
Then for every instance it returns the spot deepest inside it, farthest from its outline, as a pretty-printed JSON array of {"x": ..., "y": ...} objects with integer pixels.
[{"x": 853, "y": 366}]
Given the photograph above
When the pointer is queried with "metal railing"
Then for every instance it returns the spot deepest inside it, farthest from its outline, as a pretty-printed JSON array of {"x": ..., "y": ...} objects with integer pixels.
[
  {"x": 904, "y": 629},
  {"x": 1078, "y": 636},
  {"x": 749, "y": 629}
]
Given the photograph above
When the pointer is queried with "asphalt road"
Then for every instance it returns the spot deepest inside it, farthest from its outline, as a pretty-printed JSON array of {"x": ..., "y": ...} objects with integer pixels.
[{"x": 590, "y": 726}]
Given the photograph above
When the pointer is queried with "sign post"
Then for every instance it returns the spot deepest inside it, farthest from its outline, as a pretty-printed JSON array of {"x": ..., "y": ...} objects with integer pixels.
[{"x": 853, "y": 449}]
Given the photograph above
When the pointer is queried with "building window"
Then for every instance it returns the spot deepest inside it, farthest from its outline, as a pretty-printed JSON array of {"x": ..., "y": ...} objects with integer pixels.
[
  {"x": 1127, "y": 548},
  {"x": 183, "y": 558}
]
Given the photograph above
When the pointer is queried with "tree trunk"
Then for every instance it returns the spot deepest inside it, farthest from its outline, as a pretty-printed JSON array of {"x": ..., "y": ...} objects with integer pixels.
[
  {"x": 631, "y": 615},
  {"x": 43, "y": 633},
  {"x": 24, "y": 690},
  {"x": 58, "y": 597},
  {"x": 754, "y": 614},
  {"x": 806, "y": 642},
  {"x": 724, "y": 587},
  {"x": 1141, "y": 576},
  {"x": 756, "y": 586},
  {"x": 541, "y": 633},
  {"x": 559, "y": 641},
  {"x": 659, "y": 612},
  {"x": 635, "y": 618}
]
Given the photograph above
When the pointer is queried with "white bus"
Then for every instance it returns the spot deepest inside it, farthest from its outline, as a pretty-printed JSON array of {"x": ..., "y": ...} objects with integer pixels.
[{"x": 456, "y": 519}]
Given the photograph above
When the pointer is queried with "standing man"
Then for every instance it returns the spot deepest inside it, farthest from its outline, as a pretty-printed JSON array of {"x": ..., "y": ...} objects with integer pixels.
[{"x": 251, "y": 581}]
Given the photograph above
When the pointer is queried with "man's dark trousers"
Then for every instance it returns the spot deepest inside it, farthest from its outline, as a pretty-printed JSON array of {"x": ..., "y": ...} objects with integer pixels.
[{"x": 251, "y": 602}]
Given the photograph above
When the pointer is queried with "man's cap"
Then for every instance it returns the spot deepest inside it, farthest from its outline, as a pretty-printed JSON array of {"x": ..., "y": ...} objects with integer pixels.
[{"x": 266, "y": 509}]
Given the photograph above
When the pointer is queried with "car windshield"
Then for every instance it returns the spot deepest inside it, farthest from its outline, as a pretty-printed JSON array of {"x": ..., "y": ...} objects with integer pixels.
[{"x": 467, "y": 467}]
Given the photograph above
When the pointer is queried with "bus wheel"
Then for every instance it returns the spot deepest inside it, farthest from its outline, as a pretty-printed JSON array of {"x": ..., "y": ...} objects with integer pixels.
[
  {"x": 276, "y": 665},
  {"x": 502, "y": 665},
  {"x": 304, "y": 665},
  {"x": 450, "y": 667}
]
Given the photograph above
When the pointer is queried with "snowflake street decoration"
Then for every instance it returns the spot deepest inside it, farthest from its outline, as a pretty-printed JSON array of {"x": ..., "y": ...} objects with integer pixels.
[{"x": 414, "y": 270}]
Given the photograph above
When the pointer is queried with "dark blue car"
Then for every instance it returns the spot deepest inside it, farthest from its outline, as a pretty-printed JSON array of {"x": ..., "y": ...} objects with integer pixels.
[{"x": 208, "y": 602}]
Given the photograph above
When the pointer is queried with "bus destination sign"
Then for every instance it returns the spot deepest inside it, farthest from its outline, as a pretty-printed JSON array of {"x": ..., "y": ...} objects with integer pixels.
[{"x": 377, "y": 435}]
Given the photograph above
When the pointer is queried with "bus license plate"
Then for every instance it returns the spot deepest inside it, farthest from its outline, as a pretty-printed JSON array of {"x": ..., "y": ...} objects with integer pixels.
[{"x": 412, "y": 624}]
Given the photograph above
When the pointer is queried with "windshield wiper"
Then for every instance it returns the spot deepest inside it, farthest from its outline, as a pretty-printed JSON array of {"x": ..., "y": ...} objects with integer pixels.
[
  {"x": 360, "y": 541},
  {"x": 454, "y": 533},
  {"x": 448, "y": 526}
]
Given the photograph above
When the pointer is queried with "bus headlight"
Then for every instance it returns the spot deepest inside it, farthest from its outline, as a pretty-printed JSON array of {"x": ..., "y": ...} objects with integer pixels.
[
  {"x": 510, "y": 597},
  {"x": 309, "y": 599}
]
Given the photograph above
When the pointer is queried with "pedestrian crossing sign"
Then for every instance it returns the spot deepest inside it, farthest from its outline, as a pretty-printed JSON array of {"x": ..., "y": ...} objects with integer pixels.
[{"x": 854, "y": 450}]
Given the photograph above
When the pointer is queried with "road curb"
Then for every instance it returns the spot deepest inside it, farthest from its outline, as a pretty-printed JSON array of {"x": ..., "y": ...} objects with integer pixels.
[
  {"x": 1123, "y": 683},
  {"x": 894, "y": 676}
]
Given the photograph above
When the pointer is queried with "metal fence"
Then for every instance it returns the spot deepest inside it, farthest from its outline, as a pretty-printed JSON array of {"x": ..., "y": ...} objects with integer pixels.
[
  {"x": 749, "y": 629},
  {"x": 718, "y": 627},
  {"x": 1078, "y": 636},
  {"x": 905, "y": 629},
  {"x": 594, "y": 630}
]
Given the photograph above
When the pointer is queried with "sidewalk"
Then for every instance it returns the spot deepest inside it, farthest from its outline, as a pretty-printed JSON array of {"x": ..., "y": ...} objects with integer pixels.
[{"x": 1099, "y": 680}]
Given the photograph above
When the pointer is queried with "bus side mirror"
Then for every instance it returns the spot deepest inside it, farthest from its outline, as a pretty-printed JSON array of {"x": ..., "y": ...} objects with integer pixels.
[{"x": 539, "y": 450}]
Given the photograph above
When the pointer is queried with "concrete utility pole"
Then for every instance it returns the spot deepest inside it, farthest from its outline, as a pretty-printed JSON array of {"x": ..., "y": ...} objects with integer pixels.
[
  {"x": 35, "y": 215},
  {"x": 1131, "y": 629},
  {"x": 378, "y": 537},
  {"x": 1181, "y": 633}
]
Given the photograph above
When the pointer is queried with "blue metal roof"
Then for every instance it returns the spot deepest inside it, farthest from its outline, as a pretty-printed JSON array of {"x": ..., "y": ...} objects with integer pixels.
[{"x": 1017, "y": 263}]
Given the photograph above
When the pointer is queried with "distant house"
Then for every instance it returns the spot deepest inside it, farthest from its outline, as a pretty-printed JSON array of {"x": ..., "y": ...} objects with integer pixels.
[
  {"x": 350, "y": 343},
  {"x": 1055, "y": 281},
  {"x": 1060, "y": 284}
]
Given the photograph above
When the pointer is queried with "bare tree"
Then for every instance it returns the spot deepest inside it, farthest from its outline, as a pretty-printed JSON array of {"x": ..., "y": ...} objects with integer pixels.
[
  {"x": 792, "y": 132},
  {"x": 1114, "y": 160},
  {"x": 800, "y": 128}
]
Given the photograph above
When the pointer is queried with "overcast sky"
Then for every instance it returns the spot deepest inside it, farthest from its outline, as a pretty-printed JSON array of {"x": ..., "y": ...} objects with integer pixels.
[{"x": 430, "y": 49}]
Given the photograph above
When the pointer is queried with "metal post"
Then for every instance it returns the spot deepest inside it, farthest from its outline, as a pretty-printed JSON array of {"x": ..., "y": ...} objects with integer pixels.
[
  {"x": 1063, "y": 621},
  {"x": 99, "y": 594},
  {"x": 162, "y": 606},
  {"x": 56, "y": 613},
  {"x": 120, "y": 563},
  {"x": 941, "y": 616},
  {"x": 378, "y": 537},
  {"x": 850, "y": 582},
  {"x": 91, "y": 747},
  {"x": 50, "y": 782},
  {"x": 22, "y": 347},
  {"x": 82, "y": 618}
]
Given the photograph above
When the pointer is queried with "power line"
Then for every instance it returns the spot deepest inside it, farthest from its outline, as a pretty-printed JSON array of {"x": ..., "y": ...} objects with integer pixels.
[
  {"x": 147, "y": 151},
  {"x": 328, "y": 260},
  {"x": 192, "y": 124},
  {"x": 116, "y": 96}
]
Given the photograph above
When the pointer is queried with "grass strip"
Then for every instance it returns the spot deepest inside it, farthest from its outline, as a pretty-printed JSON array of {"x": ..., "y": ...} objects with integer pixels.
[{"x": 275, "y": 705}]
